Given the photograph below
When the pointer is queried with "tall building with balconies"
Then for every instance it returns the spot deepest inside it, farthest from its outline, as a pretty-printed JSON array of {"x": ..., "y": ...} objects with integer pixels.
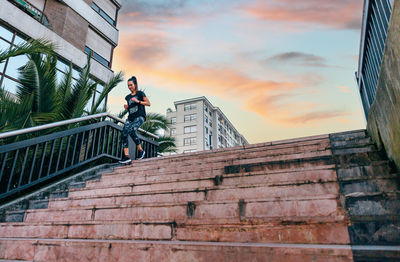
[
  {"x": 77, "y": 28},
  {"x": 197, "y": 125}
]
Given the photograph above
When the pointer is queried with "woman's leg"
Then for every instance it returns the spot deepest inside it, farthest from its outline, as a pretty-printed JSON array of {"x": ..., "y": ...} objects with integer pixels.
[
  {"x": 136, "y": 123},
  {"x": 125, "y": 134}
]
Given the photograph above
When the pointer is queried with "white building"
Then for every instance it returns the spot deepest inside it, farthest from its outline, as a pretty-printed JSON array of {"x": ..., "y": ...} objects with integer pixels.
[
  {"x": 76, "y": 27},
  {"x": 197, "y": 125}
]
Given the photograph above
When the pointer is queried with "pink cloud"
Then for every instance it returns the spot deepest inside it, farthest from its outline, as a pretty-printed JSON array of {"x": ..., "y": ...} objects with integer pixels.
[{"x": 334, "y": 14}]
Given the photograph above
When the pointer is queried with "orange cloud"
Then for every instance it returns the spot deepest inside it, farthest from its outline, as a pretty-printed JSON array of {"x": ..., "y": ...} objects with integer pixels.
[
  {"x": 335, "y": 14},
  {"x": 273, "y": 100},
  {"x": 344, "y": 89}
]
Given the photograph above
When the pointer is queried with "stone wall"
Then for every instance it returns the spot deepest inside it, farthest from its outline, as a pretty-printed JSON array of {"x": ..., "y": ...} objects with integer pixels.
[
  {"x": 67, "y": 23},
  {"x": 384, "y": 115}
]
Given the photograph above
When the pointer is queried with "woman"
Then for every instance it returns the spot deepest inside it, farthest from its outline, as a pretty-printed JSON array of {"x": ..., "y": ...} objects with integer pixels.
[{"x": 136, "y": 102}]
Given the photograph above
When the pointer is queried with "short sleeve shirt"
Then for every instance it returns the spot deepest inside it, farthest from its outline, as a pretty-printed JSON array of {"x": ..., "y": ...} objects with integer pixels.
[{"x": 135, "y": 109}]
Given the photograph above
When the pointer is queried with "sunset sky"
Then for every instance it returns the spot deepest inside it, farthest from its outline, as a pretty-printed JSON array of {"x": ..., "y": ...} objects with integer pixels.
[{"x": 278, "y": 69}]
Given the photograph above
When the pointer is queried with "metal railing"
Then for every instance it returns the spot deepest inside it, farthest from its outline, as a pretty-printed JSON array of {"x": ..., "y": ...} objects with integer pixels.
[
  {"x": 32, "y": 11},
  {"x": 34, "y": 161}
]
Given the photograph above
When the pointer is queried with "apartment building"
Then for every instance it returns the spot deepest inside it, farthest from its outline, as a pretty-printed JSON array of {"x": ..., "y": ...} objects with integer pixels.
[
  {"x": 197, "y": 125},
  {"x": 76, "y": 27}
]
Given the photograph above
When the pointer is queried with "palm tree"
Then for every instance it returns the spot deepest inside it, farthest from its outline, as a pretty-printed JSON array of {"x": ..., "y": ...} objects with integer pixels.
[
  {"x": 156, "y": 123},
  {"x": 40, "y": 100}
]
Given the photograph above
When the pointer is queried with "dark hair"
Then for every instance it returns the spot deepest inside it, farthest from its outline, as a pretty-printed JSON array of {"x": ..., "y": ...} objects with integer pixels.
[{"x": 133, "y": 79}]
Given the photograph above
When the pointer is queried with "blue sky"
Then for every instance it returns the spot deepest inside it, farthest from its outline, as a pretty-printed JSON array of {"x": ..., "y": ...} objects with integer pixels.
[{"x": 277, "y": 68}]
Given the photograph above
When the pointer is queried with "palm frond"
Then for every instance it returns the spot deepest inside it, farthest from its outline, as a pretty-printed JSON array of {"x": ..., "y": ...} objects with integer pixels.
[
  {"x": 155, "y": 122},
  {"x": 166, "y": 144},
  {"x": 30, "y": 47},
  {"x": 114, "y": 81}
]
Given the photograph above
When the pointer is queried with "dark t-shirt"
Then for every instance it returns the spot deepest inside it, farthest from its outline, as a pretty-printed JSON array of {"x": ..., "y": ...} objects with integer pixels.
[{"x": 135, "y": 110}]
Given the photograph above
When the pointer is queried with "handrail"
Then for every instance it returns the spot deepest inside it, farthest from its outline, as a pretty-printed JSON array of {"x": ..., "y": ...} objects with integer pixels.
[{"x": 67, "y": 122}]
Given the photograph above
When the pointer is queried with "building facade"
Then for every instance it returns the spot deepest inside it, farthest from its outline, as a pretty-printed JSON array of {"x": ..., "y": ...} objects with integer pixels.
[
  {"x": 375, "y": 23},
  {"x": 197, "y": 125},
  {"x": 76, "y": 27}
]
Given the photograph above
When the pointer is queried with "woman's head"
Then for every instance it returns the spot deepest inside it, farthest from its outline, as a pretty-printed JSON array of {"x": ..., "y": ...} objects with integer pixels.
[{"x": 132, "y": 84}]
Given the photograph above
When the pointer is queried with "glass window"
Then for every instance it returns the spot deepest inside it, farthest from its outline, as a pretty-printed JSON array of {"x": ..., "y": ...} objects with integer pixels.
[
  {"x": 189, "y": 118},
  {"x": 19, "y": 40},
  {"x": 3, "y": 46},
  {"x": 189, "y": 141},
  {"x": 5, "y": 33},
  {"x": 188, "y": 107},
  {"x": 100, "y": 88},
  {"x": 190, "y": 129},
  {"x": 101, "y": 106},
  {"x": 173, "y": 131},
  {"x": 62, "y": 66},
  {"x": 89, "y": 104},
  {"x": 59, "y": 77},
  {"x": 173, "y": 120},
  {"x": 75, "y": 73},
  {"x": 206, "y": 119},
  {"x": 189, "y": 151},
  {"x": 10, "y": 85},
  {"x": 14, "y": 63}
]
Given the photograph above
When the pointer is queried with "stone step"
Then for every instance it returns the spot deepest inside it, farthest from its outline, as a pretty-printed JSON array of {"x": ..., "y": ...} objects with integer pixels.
[
  {"x": 226, "y": 155},
  {"x": 349, "y": 135},
  {"x": 375, "y": 169},
  {"x": 51, "y": 250},
  {"x": 207, "y": 210},
  {"x": 358, "y": 142},
  {"x": 252, "y": 190},
  {"x": 373, "y": 204},
  {"x": 320, "y": 172},
  {"x": 375, "y": 230},
  {"x": 331, "y": 232},
  {"x": 313, "y": 160},
  {"x": 370, "y": 185},
  {"x": 207, "y": 179}
]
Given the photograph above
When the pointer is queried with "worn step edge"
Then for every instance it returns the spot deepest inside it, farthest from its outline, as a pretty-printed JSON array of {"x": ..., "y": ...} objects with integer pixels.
[{"x": 212, "y": 178}]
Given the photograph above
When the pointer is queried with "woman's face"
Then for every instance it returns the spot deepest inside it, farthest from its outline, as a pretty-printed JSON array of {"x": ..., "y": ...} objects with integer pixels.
[{"x": 131, "y": 86}]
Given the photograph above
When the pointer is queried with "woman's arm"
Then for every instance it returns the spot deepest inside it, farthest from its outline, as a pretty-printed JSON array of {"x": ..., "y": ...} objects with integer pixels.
[{"x": 145, "y": 101}]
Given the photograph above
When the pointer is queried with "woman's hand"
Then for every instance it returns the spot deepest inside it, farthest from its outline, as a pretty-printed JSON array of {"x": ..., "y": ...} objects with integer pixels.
[
  {"x": 126, "y": 106},
  {"x": 134, "y": 99}
]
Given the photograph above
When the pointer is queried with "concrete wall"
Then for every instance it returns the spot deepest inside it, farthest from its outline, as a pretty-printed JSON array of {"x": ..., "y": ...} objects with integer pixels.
[
  {"x": 384, "y": 115},
  {"x": 32, "y": 28}
]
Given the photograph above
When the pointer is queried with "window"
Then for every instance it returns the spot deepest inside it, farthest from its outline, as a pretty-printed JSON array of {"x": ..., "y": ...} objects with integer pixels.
[
  {"x": 96, "y": 56},
  {"x": 173, "y": 120},
  {"x": 206, "y": 130},
  {"x": 206, "y": 109},
  {"x": 206, "y": 118},
  {"x": 210, "y": 113},
  {"x": 173, "y": 131},
  {"x": 189, "y": 151},
  {"x": 189, "y": 118},
  {"x": 190, "y": 129},
  {"x": 103, "y": 14},
  {"x": 189, "y": 141},
  {"x": 188, "y": 107}
]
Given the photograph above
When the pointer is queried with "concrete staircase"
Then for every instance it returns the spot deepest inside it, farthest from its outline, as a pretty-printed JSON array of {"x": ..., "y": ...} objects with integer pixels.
[{"x": 322, "y": 198}]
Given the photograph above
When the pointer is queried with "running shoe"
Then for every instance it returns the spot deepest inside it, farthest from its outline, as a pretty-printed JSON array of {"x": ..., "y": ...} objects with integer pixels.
[
  {"x": 125, "y": 159},
  {"x": 141, "y": 154}
]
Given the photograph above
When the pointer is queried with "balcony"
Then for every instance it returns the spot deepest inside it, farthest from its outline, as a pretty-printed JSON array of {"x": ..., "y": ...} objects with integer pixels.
[{"x": 32, "y": 11}]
